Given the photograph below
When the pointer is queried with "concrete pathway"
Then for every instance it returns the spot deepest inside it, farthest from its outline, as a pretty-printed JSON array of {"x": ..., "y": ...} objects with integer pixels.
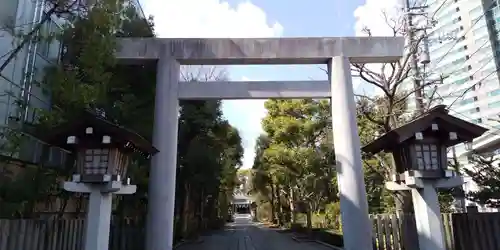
[{"x": 246, "y": 235}]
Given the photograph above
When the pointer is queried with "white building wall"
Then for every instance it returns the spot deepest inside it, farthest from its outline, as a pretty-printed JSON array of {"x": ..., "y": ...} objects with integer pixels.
[
  {"x": 20, "y": 81},
  {"x": 22, "y": 12},
  {"x": 463, "y": 50}
]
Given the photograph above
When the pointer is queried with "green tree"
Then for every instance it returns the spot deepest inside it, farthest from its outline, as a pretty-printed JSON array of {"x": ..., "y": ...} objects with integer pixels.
[
  {"x": 88, "y": 76},
  {"x": 485, "y": 172},
  {"x": 209, "y": 155},
  {"x": 301, "y": 151},
  {"x": 264, "y": 181},
  {"x": 388, "y": 109},
  {"x": 77, "y": 82},
  {"x": 376, "y": 171}
]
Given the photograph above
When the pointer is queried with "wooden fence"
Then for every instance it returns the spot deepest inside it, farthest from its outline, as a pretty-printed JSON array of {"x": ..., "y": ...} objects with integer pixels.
[
  {"x": 399, "y": 231},
  {"x": 462, "y": 231},
  {"x": 477, "y": 231},
  {"x": 64, "y": 235},
  {"x": 471, "y": 231}
]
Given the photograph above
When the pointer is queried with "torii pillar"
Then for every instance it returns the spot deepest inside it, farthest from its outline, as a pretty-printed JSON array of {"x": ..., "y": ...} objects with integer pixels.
[{"x": 337, "y": 53}]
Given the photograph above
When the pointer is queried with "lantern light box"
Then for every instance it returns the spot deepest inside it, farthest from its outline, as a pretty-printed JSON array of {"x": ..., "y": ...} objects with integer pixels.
[
  {"x": 419, "y": 148},
  {"x": 102, "y": 148}
]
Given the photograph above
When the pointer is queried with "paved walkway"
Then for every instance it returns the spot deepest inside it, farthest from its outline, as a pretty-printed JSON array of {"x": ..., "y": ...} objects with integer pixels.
[{"x": 246, "y": 235}]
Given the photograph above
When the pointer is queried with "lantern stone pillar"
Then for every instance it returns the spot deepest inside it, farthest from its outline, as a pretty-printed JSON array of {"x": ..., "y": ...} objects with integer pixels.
[
  {"x": 356, "y": 225},
  {"x": 428, "y": 217},
  {"x": 426, "y": 207},
  {"x": 98, "y": 218},
  {"x": 427, "y": 211},
  {"x": 161, "y": 194}
]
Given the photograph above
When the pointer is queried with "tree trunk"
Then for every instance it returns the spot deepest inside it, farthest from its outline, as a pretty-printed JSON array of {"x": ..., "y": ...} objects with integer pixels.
[
  {"x": 459, "y": 200},
  {"x": 279, "y": 209},
  {"x": 185, "y": 211},
  {"x": 291, "y": 200},
  {"x": 212, "y": 207},
  {"x": 273, "y": 208},
  {"x": 309, "y": 215},
  {"x": 63, "y": 204},
  {"x": 404, "y": 204},
  {"x": 458, "y": 192},
  {"x": 202, "y": 209},
  {"x": 31, "y": 204},
  {"x": 223, "y": 205}
]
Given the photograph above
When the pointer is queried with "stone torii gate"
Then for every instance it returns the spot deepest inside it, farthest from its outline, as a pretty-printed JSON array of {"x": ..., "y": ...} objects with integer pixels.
[{"x": 337, "y": 53}]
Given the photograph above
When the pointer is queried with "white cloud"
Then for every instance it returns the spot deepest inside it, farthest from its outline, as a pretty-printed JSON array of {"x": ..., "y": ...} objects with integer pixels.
[
  {"x": 374, "y": 15},
  {"x": 215, "y": 18},
  {"x": 246, "y": 116},
  {"x": 209, "y": 18},
  {"x": 371, "y": 15}
]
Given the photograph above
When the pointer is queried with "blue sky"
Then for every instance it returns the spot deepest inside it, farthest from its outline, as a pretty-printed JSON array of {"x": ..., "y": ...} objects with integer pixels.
[{"x": 263, "y": 18}]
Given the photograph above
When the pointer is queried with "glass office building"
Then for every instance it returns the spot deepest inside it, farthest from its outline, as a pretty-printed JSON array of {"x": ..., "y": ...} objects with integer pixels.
[
  {"x": 464, "y": 48},
  {"x": 18, "y": 81}
]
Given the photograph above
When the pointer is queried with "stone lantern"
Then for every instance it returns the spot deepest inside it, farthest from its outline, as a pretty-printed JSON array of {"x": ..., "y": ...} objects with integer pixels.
[
  {"x": 419, "y": 150},
  {"x": 102, "y": 150}
]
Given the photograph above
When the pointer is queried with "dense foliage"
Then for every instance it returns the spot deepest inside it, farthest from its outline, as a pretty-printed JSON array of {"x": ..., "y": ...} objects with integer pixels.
[
  {"x": 294, "y": 176},
  {"x": 485, "y": 172},
  {"x": 88, "y": 76},
  {"x": 294, "y": 170}
]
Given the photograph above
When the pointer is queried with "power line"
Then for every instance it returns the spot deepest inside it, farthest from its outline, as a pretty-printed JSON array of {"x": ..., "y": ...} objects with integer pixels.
[
  {"x": 470, "y": 56},
  {"x": 439, "y": 8},
  {"x": 413, "y": 60},
  {"x": 490, "y": 7},
  {"x": 413, "y": 57},
  {"x": 466, "y": 60},
  {"x": 470, "y": 76},
  {"x": 491, "y": 129},
  {"x": 474, "y": 85}
]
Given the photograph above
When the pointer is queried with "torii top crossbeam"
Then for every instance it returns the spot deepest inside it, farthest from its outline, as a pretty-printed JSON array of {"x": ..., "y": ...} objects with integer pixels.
[{"x": 245, "y": 51}]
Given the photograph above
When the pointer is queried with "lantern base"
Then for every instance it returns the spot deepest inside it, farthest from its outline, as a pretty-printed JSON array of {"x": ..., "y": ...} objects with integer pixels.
[
  {"x": 98, "y": 220},
  {"x": 426, "y": 207},
  {"x": 115, "y": 187},
  {"x": 417, "y": 183}
]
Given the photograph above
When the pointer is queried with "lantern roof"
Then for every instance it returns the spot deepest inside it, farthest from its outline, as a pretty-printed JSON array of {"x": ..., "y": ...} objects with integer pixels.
[
  {"x": 58, "y": 135},
  {"x": 466, "y": 131}
]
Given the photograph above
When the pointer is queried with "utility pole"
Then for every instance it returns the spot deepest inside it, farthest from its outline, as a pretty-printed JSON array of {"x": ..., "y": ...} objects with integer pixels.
[
  {"x": 458, "y": 192},
  {"x": 409, "y": 12}
]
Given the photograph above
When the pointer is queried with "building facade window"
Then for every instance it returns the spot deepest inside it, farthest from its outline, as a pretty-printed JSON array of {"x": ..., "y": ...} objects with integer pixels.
[
  {"x": 494, "y": 92},
  {"x": 494, "y": 104},
  {"x": 477, "y": 11},
  {"x": 452, "y": 67},
  {"x": 473, "y": 110},
  {"x": 461, "y": 81},
  {"x": 467, "y": 101},
  {"x": 8, "y": 12},
  {"x": 49, "y": 45}
]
